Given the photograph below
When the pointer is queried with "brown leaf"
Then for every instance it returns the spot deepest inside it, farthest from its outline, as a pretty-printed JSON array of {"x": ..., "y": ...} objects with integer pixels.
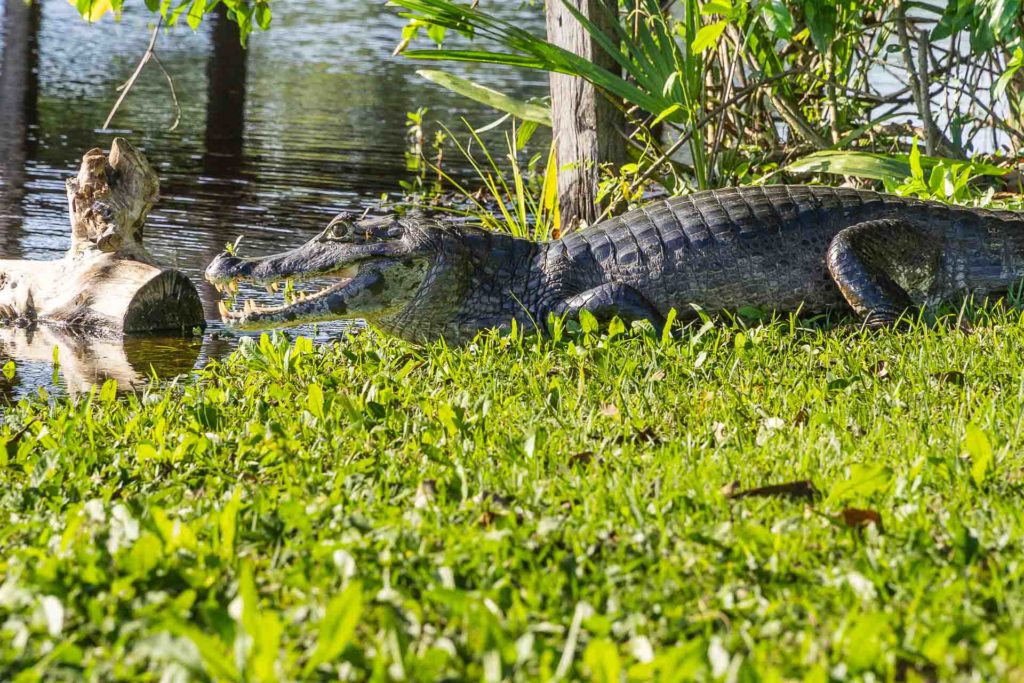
[
  {"x": 609, "y": 410},
  {"x": 794, "y": 489},
  {"x": 487, "y": 518},
  {"x": 856, "y": 518},
  {"x": 800, "y": 418},
  {"x": 658, "y": 376}
]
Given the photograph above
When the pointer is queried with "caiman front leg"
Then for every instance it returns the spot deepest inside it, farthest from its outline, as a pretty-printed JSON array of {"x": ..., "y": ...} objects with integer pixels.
[
  {"x": 875, "y": 264},
  {"x": 609, "y": 300}
]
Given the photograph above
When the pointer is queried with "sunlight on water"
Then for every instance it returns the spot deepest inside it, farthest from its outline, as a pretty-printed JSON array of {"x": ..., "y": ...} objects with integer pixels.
[{"x": 271, "y": 144}]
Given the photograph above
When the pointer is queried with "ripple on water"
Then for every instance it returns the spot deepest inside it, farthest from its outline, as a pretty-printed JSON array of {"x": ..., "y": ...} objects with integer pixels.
[{"x": 312, "y": 124}]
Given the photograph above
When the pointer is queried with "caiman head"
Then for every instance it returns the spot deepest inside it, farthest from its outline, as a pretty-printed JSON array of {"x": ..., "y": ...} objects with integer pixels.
[{"x": 382, "y": 266}]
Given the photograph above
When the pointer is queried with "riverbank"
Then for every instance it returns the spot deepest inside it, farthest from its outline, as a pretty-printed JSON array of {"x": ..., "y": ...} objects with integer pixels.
[{"x": 522, "y": 509}]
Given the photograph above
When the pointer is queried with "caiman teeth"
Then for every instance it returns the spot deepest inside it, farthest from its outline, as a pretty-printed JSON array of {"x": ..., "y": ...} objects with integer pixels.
[{"x": 250, "y": 307}]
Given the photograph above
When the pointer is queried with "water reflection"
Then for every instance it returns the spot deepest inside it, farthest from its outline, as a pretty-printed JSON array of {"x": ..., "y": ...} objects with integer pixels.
[
  {"x": 272, "y": 142},
  {"x": 19, "y": 87},
  {"x": 82, "y": 362}
]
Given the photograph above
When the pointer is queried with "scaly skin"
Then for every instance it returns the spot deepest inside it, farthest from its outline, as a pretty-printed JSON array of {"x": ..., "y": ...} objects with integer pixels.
[{"x": 782, "y": 248}]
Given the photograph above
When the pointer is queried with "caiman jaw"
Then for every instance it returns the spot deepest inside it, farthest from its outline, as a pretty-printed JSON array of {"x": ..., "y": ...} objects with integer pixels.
[
  {"x": 328, "y": 304},
  {"x": 250, "y": 308},
  {"x": 380, "y": 272}
]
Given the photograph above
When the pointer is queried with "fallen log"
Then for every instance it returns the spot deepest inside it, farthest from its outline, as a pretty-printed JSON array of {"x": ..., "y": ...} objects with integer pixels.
[{"x": 107, "y": 283}]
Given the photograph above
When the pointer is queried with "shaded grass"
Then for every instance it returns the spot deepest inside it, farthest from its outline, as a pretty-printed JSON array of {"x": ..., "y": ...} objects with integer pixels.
[{"x": 523, "y": 509}]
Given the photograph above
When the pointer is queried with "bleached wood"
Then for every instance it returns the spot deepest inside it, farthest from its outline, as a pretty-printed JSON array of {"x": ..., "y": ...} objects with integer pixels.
[{"x": 107, "y": 283}]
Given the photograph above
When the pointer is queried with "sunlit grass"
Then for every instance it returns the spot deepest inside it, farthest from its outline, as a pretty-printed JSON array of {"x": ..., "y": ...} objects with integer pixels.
[{"x": 523, "y": 508}]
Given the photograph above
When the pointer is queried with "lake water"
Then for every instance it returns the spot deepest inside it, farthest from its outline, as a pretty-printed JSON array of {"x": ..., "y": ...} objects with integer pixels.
[{"x": 272, "y": 142}]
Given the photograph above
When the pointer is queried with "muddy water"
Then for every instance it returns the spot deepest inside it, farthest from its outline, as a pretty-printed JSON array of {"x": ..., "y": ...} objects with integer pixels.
[{"x": 272, "y": 142}]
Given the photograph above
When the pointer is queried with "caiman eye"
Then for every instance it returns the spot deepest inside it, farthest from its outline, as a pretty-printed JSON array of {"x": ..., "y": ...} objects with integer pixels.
[{"x": 340, "y": 228}]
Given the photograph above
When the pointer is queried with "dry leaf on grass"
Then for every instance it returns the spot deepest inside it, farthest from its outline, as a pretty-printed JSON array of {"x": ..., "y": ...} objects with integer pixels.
[
  {"x": 794, "y": 489},
  {"x": 857, "y": 518}
]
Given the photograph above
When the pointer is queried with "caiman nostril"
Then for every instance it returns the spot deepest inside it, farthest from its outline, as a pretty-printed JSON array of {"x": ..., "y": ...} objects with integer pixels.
[{"x": 224, "y": 267}]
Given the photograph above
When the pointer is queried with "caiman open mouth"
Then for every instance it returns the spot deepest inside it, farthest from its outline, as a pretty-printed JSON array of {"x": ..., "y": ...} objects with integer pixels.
[
  {"x": 293, "y": 300},
  {"x": 229, "y": 284},
  {"x": 355, "y": 282},
  {"x": 353, "y": 254}
]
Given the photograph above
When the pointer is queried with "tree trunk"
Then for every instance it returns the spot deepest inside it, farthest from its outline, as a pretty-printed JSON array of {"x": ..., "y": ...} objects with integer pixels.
[
  {"x": 108, "y": 283},
  {"x": 19, "y": 88},
  {"x": 586, "y": 125},
  {"x": 226, "y": 74}
]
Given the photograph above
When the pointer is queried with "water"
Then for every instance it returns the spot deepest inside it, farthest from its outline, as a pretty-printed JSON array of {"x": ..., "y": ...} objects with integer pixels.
[{"x": 271, "y": 143}]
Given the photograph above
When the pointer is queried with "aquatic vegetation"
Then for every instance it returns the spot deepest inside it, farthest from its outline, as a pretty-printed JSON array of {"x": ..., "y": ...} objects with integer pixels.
[{"x": 590, "y": 506}]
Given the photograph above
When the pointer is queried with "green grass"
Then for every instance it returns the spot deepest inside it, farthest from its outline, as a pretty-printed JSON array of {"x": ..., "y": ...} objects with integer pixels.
[{"x": 522, "y": 509}]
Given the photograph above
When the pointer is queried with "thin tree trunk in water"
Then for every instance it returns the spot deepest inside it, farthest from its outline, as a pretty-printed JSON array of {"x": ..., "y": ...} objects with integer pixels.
[
  {"x": 586, "y": 125},
  {"x": 19, "y": 87},
  {"x": 226, "y": 72}
]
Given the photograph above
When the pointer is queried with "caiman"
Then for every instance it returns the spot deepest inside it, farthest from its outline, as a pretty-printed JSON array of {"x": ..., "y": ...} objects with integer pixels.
[{"x": 783, "y": 248}]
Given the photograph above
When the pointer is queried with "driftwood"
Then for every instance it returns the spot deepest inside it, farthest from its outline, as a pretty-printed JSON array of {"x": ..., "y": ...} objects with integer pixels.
[{"x": 107, "y": 283}]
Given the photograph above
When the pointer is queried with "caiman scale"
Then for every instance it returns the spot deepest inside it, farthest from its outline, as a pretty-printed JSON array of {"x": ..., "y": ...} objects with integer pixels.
[{"x": 782, "y": 248}]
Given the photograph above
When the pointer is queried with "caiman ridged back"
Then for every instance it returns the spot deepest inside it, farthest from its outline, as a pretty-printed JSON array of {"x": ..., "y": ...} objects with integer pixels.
[{"x": 738, "y": 212}]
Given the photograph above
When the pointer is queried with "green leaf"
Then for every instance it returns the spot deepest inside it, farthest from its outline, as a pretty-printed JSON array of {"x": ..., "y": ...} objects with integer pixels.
[
  {"x": 666, "y": 113},
  {"x": 666, "y": 332},
  {"x": 525, "y": 111},
  {"x": 1012, "y": 68},
  {"x": 723, "y": 7},
  {"x": 9, "y": 369},
  {"x": 337, "y": 628},
  {"x": 588, "y": 323},
  {"x": 227, "y": 522},
  {"x": 707, "y": 36},
  {"x": 263, "y": 16},
  {"x": 916, "y": 171},
  {"x": 778, "y": 19},
  {"x": 315, "y": 401},
  {"x": 980, "y": 449},
  {"x": 875, "y": 166},
  {"x": 481, "y": 56},
  {"x": 602, "y": 659},
  {"x": 195, "y": 13},
  {"x": 108, "y": 392},
  {"x": 145, "y": 451},
  {"x": 821, "y": 22},
  {"x": 214, "y": 653},
  {"x": 860, "y": 164},
  {"x": 863, "y": 482}
]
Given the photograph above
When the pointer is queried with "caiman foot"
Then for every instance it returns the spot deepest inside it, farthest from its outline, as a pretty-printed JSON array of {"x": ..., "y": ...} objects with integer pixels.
[
  {"x": 874, "y": 265},
  {"x": 609, "y": 301}
]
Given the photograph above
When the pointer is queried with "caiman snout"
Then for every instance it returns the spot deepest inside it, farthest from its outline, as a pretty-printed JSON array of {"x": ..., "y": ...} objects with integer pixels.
[{"x": 227, "y": 267}]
